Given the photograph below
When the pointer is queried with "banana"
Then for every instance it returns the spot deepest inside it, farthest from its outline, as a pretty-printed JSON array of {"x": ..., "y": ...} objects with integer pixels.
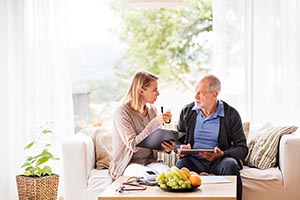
[{"x": 179, "y": 173}]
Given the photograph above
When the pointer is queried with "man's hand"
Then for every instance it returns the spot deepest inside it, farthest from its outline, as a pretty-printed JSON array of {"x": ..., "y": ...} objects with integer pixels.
[
  {"x": 183, "y": 146},
  {"x": 212, "y": 155}
]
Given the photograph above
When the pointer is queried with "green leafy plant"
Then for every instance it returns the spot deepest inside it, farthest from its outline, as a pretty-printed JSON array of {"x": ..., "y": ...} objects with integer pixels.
[{"x": 35, "y": 165}]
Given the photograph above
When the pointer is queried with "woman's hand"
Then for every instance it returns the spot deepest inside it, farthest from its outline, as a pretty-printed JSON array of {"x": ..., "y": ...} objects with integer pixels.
[
  {"x": 163, "y": 117},
  {"x": 168, "y": 146}
]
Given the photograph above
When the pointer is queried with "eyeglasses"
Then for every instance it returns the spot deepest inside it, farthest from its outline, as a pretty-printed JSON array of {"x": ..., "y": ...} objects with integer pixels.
[{"x": 129, "y": 185}]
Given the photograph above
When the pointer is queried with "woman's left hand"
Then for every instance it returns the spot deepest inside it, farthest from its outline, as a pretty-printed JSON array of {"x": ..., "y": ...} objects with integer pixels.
[{"x": 168, "y": 146}]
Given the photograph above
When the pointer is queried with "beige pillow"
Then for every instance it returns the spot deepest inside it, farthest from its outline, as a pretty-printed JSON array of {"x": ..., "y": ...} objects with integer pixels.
[
  {"x": 103, "y": 145},
  {"x": 263, "y": 145},
  {"x": 246, "y": 126}
]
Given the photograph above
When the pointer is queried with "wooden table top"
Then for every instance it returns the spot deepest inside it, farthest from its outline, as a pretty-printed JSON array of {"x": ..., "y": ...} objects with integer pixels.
[{"x": 209, "y": 190}]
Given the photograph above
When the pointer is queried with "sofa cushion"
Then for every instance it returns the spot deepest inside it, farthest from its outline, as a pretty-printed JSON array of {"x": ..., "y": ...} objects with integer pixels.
[
  {"x": 272, "y": 173},
  {"x": 103, "y": 150},
  {"x": 263, "y": 145},
  {"x": 262, "y": 184},
  {"x": 98, "y": 181},
  {"x": 246, "y": 127},
  {"x": 103, "y": 145}
]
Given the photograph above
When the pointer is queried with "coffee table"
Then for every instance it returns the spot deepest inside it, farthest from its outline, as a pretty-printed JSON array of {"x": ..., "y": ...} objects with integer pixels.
[{"x": 207, "y": 191}]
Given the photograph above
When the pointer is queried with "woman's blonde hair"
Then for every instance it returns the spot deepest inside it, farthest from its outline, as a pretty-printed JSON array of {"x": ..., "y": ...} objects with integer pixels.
[{"x": 141, "y": 80}]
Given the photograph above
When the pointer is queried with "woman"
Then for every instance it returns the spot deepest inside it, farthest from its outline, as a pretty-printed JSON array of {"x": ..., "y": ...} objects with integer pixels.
[{"x": 134, "y": 121}]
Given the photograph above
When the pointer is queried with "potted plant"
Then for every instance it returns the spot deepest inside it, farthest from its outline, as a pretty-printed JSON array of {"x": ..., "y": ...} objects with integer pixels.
[{"x": 38, "y": 181}]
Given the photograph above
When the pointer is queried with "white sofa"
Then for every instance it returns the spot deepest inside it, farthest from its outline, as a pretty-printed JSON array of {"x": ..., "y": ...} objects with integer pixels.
[
  {"x": 277, "y": 183},
  {"x": 83, "y": 182}
]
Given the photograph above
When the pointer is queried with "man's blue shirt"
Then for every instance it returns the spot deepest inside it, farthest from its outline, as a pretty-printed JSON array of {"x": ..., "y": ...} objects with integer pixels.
[{"x": 207, "y": 129}]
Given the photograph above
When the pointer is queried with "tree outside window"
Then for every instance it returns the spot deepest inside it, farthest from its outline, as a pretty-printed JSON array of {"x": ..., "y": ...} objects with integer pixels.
[{"x": 174, "y": 43}]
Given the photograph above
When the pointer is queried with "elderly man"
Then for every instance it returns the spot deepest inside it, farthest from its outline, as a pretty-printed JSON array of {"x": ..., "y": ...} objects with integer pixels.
[{"x": 211, "y": 123}]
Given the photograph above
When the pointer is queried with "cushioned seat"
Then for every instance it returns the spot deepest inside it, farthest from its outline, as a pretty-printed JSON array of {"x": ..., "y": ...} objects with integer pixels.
[
  {"x": 262, "y": 184},
  {"x": 261, "y": 180},
  {"x": 273, "y": 173},
  {"x": 97, "y": 182},
  {"x": 83, "y": 181}
]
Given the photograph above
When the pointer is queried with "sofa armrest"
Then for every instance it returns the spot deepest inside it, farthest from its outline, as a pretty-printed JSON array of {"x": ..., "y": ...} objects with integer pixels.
[
  {"x": 289, "y": 159},
  {"x": 78, "y": 160}
]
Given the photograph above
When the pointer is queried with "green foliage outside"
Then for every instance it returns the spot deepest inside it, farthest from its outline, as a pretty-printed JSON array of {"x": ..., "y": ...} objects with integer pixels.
[{"x": 173, "y": 43}]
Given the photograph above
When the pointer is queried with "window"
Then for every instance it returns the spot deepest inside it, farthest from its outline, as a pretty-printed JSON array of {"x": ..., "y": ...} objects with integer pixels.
[
  {"x": 163, "y": 41},
  {"x": 93, "y": 53}
]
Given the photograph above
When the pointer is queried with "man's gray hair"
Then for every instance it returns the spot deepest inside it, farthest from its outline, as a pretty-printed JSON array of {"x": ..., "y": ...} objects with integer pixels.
[{"x": 214, "y": 84}]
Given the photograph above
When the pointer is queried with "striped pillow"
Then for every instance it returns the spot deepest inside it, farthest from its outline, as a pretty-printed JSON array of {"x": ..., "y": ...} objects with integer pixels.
[{"x": 263, "y": 145}]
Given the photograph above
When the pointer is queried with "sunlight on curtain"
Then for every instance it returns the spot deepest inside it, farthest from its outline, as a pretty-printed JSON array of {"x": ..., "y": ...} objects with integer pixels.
[
  {"x": 276, "y": 63},
  {"x": 229, "y": 57},
  {"x": 39, "y": 85},
  {"x": 257, "y": 49}
]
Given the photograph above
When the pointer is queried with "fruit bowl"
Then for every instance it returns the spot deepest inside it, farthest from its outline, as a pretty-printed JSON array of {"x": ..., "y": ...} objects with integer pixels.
[
  {"x": 178, "y": 180},
  {"x": 168, "y": 189}
]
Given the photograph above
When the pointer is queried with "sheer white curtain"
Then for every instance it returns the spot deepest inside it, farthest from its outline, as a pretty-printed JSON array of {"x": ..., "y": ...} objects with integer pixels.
[
  {"x": 257, "y": 56},
  {"x": 276, "y": 63},
  {"x": 4, "y": 134},
  {"x": 229, "y": 57},
  {"x": 37, "y": 82}
]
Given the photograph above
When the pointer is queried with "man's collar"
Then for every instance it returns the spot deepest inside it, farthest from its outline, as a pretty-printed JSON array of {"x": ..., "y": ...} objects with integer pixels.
[{"x": 219, "y": 112}]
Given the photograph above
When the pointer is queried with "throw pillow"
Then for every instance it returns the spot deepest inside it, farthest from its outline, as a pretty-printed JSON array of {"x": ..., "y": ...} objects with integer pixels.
[
  {"x": 103, "y": 146},
  {"x": 246, "y": 127},
  {"x": 103, "y": 149},
  {"x": 263, "y": 145}
]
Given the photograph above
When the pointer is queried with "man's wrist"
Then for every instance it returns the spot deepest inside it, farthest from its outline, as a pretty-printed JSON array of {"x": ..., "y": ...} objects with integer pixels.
[{"x": 222, "y": 154}]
